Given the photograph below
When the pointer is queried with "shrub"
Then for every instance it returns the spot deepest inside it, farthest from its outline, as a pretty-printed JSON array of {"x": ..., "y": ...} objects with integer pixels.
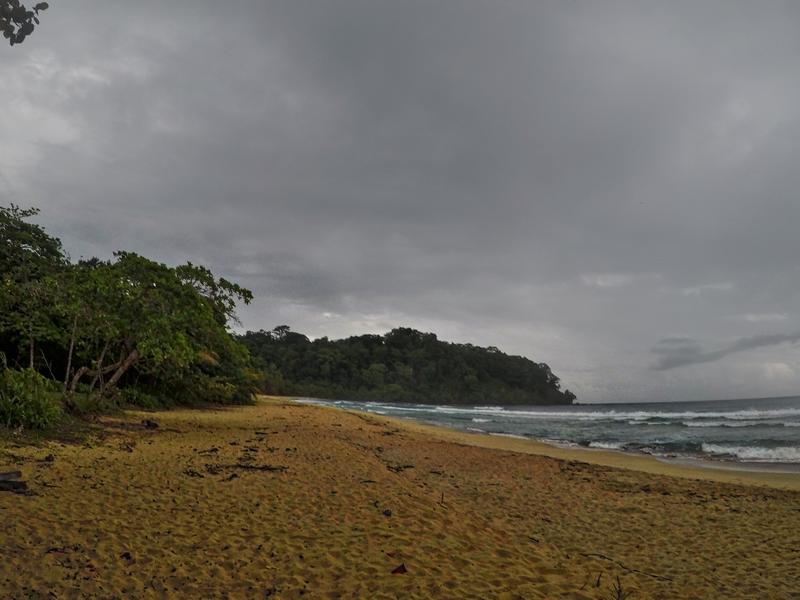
[
  {"x": 136, "y": 397},
  {"x": 27, "y": 400}
]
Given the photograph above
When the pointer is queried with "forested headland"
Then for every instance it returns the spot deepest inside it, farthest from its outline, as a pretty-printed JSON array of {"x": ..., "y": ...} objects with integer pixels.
[
  {"x": 89, "y": 335},
  {"x": 403, "y": 365}
]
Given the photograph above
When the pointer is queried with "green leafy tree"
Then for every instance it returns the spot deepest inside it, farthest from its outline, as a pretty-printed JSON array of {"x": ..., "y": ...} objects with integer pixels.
[
  {"x": 30, "y": 260},
  {"x": 17, "y": 22}
]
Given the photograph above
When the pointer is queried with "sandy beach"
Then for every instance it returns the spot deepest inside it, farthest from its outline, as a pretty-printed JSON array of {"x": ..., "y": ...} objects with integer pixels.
[{"x": 281, "y": 500}]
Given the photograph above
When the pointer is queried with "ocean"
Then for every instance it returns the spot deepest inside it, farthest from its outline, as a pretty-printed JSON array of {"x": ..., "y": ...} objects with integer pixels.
[{"x": 756, "y": 431}]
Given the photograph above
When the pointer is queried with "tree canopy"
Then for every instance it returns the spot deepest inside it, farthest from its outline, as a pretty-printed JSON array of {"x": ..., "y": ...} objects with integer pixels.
[
  {"x": 403, "y": 365},
  {"x": 129, "y": 326},
  {"x": 16, "y": 21}
]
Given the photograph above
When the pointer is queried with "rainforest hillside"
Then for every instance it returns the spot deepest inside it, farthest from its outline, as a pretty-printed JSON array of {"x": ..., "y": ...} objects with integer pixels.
[{"x": 403, "y": 365}]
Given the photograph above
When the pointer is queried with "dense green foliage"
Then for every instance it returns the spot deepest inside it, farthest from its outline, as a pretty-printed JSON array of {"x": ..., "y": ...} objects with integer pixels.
[
  {"x": 158, "y": 333},
  {"x": 402, "y": 366},
  {"x": 27, "y": 400}
]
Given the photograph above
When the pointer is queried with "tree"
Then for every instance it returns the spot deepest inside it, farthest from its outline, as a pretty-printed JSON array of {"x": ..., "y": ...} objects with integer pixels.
[
  {"x": 30, "y": 259},
  {"x": 16, "y": 21},
  {"x": 170, "y": 324}
]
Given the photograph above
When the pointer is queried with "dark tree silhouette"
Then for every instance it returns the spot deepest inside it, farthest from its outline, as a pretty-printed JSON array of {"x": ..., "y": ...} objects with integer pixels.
[{"x": 17, "y": 21}]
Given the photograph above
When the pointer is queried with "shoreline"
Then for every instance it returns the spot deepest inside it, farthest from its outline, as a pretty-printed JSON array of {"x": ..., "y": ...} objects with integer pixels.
[{"x": 699, "y": 469}]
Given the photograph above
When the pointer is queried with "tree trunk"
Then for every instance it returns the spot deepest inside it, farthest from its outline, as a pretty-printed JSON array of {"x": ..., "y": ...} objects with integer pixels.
[
  {"x": 71, "y": 349},
  {"x": 30, "y": 347},
  {"x": 78, "y": 374},
  {"x": 87, "y": 371},
  {"x": 129, "y": 361},
  {"x": 99, "y": 371}
]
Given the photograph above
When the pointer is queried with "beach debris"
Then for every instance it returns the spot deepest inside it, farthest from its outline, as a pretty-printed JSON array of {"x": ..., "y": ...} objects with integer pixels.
[
  {"x": 192, "y": 473},
  {"x": 618, "y": 591},
  {"x": 127, "y": 556},
  {"x": 127, "y": 446},
  {"x": 367, "y": 481},
  {"x": 400, "y": 570},
  {"x": 149, "y": 424},
  {"x": 231, "y": 477},
  {"x": 249, "y": 467},
  {"x": 625, "y": 568},
  {"x": 212, "y": 450},
  {"x": 399, "y": 468},
  {"x": 49, "y": 458},
  {"x": 387, "y": 513},
  {"x": 63, "y": 549},
  {"x": 9, "y": 482}
]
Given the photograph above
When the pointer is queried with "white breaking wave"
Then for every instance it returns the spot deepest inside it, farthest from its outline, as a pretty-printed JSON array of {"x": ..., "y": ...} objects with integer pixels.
[
  {"x": 477, "y": 420},
  {"x": 789, "y": 454},
  {"x": 633, "y": 416},
  {"x": 606, "y": 445},
  {"x": 729, "y": 423}
]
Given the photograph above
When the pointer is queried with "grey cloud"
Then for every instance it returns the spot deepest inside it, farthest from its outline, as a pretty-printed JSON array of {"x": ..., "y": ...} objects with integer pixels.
[
  {"x": 565, "y": 180},
  {"x": 680, "y": 352}
]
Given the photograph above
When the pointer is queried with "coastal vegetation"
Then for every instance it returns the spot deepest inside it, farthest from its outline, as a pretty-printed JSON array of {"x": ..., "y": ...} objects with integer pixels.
[
  {"x": 403, "y": 365},
  {"x": 95, "y": 333},
  {"x": 88, "y": 335}
]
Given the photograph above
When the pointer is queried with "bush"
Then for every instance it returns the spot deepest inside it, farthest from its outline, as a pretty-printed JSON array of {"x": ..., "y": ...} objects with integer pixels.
[
  {"x": 27, "y": 400},
  {"x": 140, "y": 399}
]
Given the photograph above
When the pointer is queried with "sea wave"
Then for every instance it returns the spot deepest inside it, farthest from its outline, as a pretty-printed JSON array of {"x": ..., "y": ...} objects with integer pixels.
[
  {"x": 607, "y": 445},
  {"x": 789, "y": 454},
  {"x": 639, "y": 416},
  {"x": 730, "y": 424}
]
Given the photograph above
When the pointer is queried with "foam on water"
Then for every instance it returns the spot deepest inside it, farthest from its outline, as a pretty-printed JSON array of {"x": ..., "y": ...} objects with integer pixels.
[
  {"x": 744, "y": 430},
  {"x": 788, "y": 454}
]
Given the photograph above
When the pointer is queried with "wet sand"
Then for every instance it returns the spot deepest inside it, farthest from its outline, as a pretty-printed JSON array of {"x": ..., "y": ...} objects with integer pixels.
[{"x": 281, "y": 500}]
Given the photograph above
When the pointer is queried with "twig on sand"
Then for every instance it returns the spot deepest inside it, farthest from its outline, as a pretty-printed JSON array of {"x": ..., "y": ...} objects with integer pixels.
[
  {"x": 618, "y": 592},
  {"x": 623, "y": 567},
  {"x": 271, "y": 468}
]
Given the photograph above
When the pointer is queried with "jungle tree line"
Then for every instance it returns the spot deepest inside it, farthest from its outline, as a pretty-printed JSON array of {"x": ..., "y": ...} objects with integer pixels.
[{"x": 402, "y": 366}]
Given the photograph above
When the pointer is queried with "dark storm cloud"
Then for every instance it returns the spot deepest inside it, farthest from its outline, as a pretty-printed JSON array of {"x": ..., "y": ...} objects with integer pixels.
[
  {"x": 680, "y": 352},
  {"x": 565, "y": 180}
]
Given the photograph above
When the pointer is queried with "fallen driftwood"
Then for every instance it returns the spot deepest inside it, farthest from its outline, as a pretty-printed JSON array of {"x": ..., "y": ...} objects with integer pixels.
[
  {"x": 399, "y": 468},
  {"x": 9, "y": 482},
  {"x": 249, "y": 467},
  {"x": 13, "y": 486}
]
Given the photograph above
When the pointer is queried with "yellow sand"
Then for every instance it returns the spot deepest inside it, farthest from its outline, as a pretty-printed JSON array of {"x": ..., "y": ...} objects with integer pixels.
[{"x": 158, "y": 513}]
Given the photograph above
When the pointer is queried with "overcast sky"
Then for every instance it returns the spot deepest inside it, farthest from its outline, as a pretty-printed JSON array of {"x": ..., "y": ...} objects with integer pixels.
[{"x": 608, "y": 187}]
